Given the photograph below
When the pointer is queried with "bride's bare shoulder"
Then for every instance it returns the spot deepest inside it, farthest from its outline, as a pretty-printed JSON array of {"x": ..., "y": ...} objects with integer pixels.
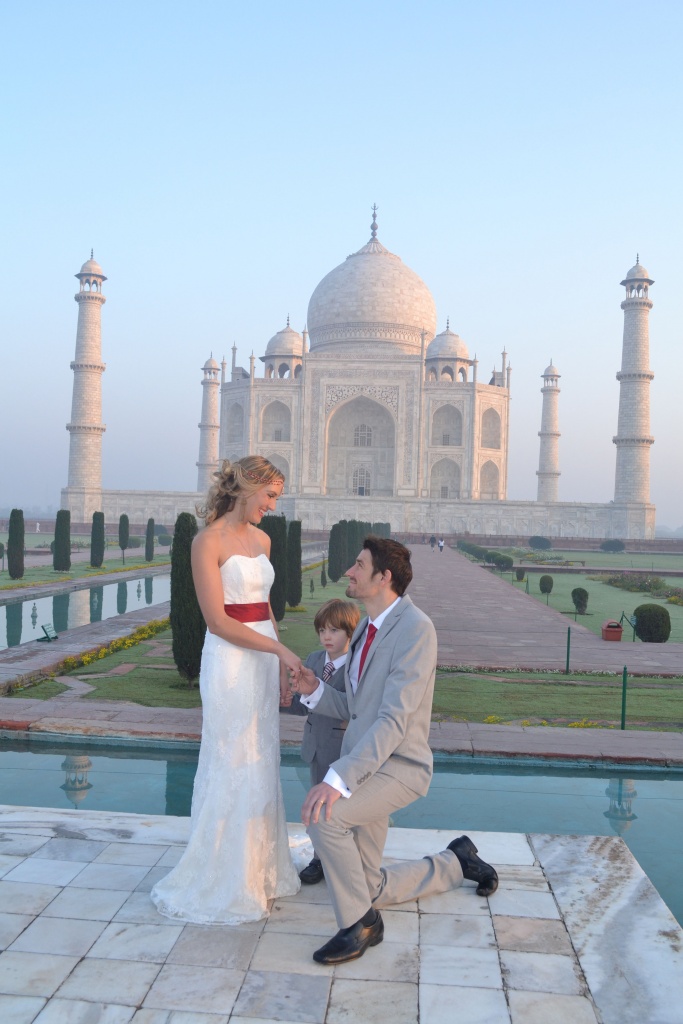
[{"x": 208, "y": 539}]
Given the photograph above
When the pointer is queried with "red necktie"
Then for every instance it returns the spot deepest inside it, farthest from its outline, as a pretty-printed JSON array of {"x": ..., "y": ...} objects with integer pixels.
[
  {"x": 328, "y": 671},
  {"x": 366, "y": 647}
]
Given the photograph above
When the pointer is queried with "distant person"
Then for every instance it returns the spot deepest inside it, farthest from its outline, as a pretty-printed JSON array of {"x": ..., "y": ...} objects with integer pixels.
[
  {"x": 321, "y": 744},
  {"x": 432, "y": 542},
  {"x": 238, "y": 857},
  {"x": 441, "y": 546}
]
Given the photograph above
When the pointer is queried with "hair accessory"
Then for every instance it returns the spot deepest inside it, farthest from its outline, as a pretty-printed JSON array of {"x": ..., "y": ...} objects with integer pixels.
[{"x": 249, "y": 475}]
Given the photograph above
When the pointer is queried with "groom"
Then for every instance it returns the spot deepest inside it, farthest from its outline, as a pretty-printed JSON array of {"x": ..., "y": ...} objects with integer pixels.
[{"x": 385, "y": 761}]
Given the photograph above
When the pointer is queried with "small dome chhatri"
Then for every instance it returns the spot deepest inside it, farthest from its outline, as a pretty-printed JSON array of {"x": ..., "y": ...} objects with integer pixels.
[
  {"x": 211, "y": 364},
  {"x": 372, "y": 297},
  {"x": 286, "y": 342},
  {"x": 551, "y": 370},
  {"x": 447, "y": 345},
  {"x": 91, "y": 268},
  {"x": 638, "y": 273}
]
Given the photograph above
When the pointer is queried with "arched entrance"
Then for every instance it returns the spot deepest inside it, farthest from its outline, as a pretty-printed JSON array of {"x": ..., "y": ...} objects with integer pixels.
[{"x": 361, "y": 449}]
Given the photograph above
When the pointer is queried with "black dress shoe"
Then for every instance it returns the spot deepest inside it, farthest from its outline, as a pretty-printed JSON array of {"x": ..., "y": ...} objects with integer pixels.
[
  {"x": 312, "y": 873},
  {"x": 473, "y": 867},
  {"x": 351, "y": 943}
]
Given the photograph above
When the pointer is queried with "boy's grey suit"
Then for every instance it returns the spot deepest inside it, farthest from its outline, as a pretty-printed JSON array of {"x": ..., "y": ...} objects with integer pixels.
[
  {"x": 386, "y": 762},
  {"x": 323, "y": 735}
]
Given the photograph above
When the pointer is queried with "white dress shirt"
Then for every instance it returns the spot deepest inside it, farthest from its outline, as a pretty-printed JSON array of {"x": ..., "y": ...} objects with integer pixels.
[{"x": 310, "y": 700}]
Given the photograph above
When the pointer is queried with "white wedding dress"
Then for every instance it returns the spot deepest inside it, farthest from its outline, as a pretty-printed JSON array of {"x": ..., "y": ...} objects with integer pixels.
[{"x": 238, "y": 855}]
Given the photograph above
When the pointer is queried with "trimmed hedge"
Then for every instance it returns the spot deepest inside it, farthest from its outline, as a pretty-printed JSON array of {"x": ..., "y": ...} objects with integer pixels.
[
  {"x": 97, "y": 541},
  {"x": 15, "y": 544},
  {"x": 186, "y": 620},
  {"x": 580, "y": 599},
  {"x": 545, "y": 585},
  {"x": 124, "y": 535},
  {"x": 540, "y": 543},
  {"x": 612, "y": 545},
  {"x": 276, "y": 528},
  {"x": 149, "y": 541},
  {"x": 61, "y": 561},
  {"x": 294, "y": 583},
  {"x": 653, "y": 623}
]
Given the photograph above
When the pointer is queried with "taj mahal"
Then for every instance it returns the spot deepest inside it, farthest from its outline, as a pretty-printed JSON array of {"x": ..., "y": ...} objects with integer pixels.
[{"x": 373, "y": 415}]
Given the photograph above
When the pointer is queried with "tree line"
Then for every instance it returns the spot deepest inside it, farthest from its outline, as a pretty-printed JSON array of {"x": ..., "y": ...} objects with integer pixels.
[{"x": 61, "y": 545}]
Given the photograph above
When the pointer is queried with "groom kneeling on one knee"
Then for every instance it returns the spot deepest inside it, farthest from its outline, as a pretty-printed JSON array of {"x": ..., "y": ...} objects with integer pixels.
[{"x": 385, "y": 761}]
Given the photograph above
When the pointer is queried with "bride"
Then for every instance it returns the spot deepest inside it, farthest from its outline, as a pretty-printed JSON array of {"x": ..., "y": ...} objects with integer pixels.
[{"x": 238, "y": 856}]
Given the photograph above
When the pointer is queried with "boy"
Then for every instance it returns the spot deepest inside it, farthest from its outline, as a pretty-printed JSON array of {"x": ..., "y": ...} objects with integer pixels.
[{"x": 321, "y": 744}]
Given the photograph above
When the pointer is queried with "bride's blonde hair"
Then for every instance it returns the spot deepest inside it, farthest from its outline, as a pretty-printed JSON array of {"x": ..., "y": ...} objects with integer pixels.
[{"x": 235, "y": 480}]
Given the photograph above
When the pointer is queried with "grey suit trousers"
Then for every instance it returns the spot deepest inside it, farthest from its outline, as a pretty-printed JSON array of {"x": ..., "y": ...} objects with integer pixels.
[{"x": 350, "y": 846}]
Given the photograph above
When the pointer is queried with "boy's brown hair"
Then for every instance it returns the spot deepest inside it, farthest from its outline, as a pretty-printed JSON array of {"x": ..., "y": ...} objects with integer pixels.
[{"x": 338, "y": 614}]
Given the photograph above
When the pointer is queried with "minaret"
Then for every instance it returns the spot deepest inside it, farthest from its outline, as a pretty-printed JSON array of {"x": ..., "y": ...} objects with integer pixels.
[
  {"x": 209, "y": 426},
  {"x": 548, "y": 471},
  {"x": 83, "y": 494},
  {"x": 633, "y": 440}
]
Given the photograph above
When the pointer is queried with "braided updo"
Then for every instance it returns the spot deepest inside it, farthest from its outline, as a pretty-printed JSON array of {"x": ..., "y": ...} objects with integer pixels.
[{"x": 237, "y": 480}]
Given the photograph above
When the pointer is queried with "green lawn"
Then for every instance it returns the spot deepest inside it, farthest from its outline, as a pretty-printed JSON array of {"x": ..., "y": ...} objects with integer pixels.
[
  {"x": 623, "y": 560},
  {"x": 604, "y": 602},
  {"x": 34, "y": 576}
]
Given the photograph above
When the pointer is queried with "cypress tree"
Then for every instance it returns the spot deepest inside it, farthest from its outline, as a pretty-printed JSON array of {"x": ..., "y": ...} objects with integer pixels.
[
  {"x": 2, "y": 554},
  {"x": 97, "y": 540},
  {"x": 294, "y": 582},
  {"x": 124, "y": 535},
  {"x": 149, "y": 589},
  {"x": 311, "y": 586},
  {"x": 187, "y": 623},
  {"x": 61, "y": 560},
  {"x": 149, "y": 541},
  {"x": 15, "y": 544},
  {"x": 323, "y": 576},
  {"x": 122, "y": 597},
  {"x": 333, "y": 554},
  {"x": 344, "y": 554},
  {"x": 276, "y": 528}
]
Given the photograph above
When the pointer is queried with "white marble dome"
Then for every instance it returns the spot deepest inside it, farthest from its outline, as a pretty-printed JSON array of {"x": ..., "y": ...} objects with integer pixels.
[
  {"x": 371, "y": 297},
  {"x": 638, "y": 273},
  {"x": 447, "y": 345},
  {"x": 210, "y": 364},
  {"x": 551, "y": 370},
  {"x": 91, "y": 268},
  {"x": 286, "y": 342}
]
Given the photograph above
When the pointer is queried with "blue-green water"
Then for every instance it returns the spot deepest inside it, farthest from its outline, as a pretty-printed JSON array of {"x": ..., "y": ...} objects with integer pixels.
[
  {"x": 21, "y": 621},
  {"x": 643, "y": 806}
]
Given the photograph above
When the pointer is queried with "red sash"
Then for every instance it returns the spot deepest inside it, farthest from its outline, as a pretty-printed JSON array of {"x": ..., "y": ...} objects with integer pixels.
[{"x": 257, "y": 612}]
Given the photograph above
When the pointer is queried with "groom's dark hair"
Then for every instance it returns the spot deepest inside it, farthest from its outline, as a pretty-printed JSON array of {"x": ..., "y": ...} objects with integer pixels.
[{"x": 390, "y": 555}]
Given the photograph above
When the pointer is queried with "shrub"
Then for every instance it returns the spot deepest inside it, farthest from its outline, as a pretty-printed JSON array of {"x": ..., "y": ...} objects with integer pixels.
[
  {"x": 15, "y": 544},
  {"x": 504, "y": 562},
  {"x": 335, "y": 553},
  {"x": 276, "y": 528},
  {"x": 546, "y": 586},
  {"x": 612, "y": 545},
  {"x": 2, "y": 554},
  {"x": 653, "y": 623},
  {"x": 323, "y": 576},
  {"x": 124, "y": 535},
  {"x": 61, "y": 561},
  {"x": 149, "y": 541},
  {"x": 312, "y": 586},
  {"x": 294, "y": 583},
  {"x": 540, "y": 543},
  {"x": 165, "y": 539},
  {"x": 580, "y": 599},
  {"x": 97, "y": 540},
  {"x": 519, "y": 573},
  {"x": 135, "y": 542},
  {"x": 186, "y": 619}
]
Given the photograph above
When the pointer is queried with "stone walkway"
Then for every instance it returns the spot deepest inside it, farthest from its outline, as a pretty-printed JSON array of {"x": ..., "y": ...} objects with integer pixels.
[
  {"x": 576, "y": 934},
  {"x": 483, "y": 621}
]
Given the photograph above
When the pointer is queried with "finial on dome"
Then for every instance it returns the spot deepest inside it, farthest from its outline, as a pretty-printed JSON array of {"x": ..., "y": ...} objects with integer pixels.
[
  {"x": 448, "y": 323},
  {"x": 288, "y": 319},
  {"x": 373, "y": 226},
  {"x": 637, "y": 260},
  {"x": 92, "y": 254}
]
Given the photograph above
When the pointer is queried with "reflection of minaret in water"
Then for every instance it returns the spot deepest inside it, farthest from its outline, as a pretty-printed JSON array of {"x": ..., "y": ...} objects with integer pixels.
[
  {"x": 76, "y": 785},
  {"x": 621, "y": 793}
]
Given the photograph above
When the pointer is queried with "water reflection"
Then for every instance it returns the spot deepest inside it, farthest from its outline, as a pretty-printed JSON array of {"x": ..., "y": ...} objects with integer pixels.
[
  {"x": 21, "y": 620},
  {"x": 621, "y": 793},
  {"x": 76, "y": 785}
]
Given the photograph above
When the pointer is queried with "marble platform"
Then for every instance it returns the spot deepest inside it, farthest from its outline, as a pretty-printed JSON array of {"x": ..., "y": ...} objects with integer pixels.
[{"x": 576, "y": 934}]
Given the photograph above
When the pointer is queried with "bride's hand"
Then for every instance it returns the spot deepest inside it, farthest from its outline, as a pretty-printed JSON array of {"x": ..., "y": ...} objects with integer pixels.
[{"x": 291, "y": 661}]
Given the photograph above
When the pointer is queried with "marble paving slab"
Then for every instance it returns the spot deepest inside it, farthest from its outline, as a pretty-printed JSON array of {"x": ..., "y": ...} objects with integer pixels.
[{"x": 576, "y": 934}]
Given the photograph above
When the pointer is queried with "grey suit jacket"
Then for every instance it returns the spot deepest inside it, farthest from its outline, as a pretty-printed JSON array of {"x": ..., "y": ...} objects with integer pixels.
[
  {"x": 323, "y": 735},
  {"x": 390, "y": 713}
]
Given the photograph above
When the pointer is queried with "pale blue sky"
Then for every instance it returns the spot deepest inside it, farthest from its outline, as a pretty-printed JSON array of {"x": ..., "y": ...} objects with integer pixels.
[{"x": 222, "y": 158}]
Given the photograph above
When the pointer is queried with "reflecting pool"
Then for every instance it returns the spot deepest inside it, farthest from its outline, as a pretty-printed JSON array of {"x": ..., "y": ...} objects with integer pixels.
[
  {"x": 642, "y": 805},
  {"x": 22, "y": 621}
]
